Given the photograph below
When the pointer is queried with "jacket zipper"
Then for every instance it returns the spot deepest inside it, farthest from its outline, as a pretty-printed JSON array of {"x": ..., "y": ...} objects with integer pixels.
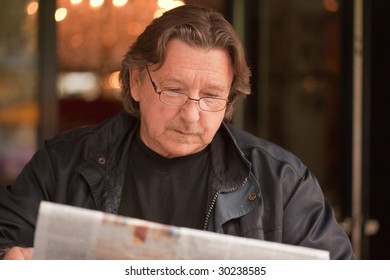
[{"x": 206, "y": 222}]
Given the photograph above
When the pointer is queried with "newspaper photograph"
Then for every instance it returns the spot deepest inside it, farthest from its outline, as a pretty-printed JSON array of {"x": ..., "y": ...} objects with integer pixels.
[{"x": 70, "y": 233}]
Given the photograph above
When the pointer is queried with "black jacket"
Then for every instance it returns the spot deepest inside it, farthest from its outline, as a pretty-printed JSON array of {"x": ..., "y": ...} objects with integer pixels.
[{"x": 258, "y": 190}]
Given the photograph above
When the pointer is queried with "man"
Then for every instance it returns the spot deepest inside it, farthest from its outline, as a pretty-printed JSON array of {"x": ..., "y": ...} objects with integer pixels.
[{"x": 172, "y": 157}]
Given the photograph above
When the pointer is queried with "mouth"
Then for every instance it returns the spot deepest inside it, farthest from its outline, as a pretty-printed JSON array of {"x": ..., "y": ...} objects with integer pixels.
[
  {"x": 185, "y": 133},
  {"x": 186, "y": 130}
]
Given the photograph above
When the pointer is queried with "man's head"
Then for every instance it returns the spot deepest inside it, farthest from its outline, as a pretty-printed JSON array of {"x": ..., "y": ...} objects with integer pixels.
[
  {"x": 196, "y": 26},
  {"x": 193, "y": 55}
]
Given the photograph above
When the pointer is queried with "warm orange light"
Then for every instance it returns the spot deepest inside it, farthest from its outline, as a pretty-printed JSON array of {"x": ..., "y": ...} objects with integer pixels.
[
  {"x": 119, "y": 3},
  {"x": 167, "y": 5},
  {"x": 93, "y": 37},
  {"x": 96, "y": 3},
  {"x": 75, "y": 2},
  {"x": 113, "y": 80},
  {"x": 32, "y": 7},
  {"x": 331, "y": 5},
  {"x": 163, "y": 3},
  {"x": 60, "y": 14},
  {"x": 76, "y": 40},
  {"x": 159, "y": 13},
  {"x": 134, "y": 28}
]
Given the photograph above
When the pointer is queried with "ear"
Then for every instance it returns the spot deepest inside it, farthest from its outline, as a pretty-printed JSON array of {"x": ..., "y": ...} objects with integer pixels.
[{"x": 135, "y": 83}]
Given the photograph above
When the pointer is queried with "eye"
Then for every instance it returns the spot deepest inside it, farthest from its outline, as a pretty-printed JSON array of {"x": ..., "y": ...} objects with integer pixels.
[
  {"x": 213, "y": 93},
  {"x": 172, "y": 93}
]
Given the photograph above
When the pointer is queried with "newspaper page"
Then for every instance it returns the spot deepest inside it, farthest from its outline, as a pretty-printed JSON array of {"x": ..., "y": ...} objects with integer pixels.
[{"x": 70, "y": 233}]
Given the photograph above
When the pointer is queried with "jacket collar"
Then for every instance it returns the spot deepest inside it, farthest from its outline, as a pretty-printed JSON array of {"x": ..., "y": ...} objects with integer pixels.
[
  {"x": 229, "y": 164},
  {"x": 235, "y": 191}
]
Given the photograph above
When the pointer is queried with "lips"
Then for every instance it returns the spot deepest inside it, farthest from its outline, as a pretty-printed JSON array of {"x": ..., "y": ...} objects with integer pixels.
[
  {"x": 185, "y": 130},
  {"x": 186, "y": 133}
]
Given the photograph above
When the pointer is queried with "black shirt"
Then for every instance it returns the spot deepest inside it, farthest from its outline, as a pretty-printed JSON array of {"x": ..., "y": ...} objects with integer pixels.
[{"x": 168, "y": 191}]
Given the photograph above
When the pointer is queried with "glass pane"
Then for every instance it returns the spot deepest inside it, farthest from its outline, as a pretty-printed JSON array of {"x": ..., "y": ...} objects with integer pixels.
[
  {"x": 295, "y": 54},
  {"x": 18, "y": 84},
  {"x": 92, "y": 37}
]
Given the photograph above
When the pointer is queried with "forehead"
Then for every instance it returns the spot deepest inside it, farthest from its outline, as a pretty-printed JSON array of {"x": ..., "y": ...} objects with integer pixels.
[{"x": 179, "y": 56}]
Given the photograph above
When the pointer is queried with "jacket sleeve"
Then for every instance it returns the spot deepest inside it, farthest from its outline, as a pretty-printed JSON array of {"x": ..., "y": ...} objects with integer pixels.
[
  {"x": 19, "y": 202},
  {"x": 309, "y": 220}
]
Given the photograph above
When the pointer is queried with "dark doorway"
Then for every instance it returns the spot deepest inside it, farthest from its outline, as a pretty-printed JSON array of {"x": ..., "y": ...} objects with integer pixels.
[{"x": 379, "y": 136}]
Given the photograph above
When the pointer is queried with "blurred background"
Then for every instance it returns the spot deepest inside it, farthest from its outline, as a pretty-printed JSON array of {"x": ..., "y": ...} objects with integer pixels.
[{"x": 319, "y": 87}]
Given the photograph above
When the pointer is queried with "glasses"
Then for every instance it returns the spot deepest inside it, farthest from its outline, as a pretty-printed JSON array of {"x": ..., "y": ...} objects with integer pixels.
[{"x": 173, "y": 98}]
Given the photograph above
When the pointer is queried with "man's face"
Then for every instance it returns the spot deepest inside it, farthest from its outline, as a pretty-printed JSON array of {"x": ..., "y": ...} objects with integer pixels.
[{"x": 197, "y": 72}]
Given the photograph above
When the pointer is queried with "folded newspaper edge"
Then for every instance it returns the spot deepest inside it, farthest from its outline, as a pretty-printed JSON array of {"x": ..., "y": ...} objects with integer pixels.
[{"x": 66, "y": 232}]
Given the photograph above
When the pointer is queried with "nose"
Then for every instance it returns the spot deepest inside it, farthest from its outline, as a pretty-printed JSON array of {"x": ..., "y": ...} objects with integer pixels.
[{"x": 190, "y": 111}]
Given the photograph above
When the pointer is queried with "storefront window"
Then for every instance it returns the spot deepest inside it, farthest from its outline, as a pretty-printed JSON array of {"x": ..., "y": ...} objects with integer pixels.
[
  {"x": 18, "y": 86},
  {"x": 294, "y": 50},
  {"x": 92, "y": 38}
]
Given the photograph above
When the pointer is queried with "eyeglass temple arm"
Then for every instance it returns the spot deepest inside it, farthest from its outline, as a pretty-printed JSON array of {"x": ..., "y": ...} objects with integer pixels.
[{"x": 150, "y": 77}]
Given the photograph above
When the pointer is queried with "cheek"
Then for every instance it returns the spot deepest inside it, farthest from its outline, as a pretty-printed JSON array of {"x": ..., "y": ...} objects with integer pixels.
[
  {"x": 211, "y": 124},
  {"x": 149, "y": 105},
  {"x": 155, "y": 118}
]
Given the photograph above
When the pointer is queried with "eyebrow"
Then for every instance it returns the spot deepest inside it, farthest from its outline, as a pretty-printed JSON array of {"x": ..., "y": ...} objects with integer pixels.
[{"x": 215, "y": 87}]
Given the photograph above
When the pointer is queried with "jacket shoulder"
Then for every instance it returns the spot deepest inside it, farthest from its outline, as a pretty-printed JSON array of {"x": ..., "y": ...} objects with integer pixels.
[
  {"x": 252, "y": 145},
  {"x": 91, "y": 142}
]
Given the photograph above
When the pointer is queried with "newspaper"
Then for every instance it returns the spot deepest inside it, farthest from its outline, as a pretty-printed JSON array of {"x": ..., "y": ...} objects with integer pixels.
[{"x": 70, "y": 233}]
